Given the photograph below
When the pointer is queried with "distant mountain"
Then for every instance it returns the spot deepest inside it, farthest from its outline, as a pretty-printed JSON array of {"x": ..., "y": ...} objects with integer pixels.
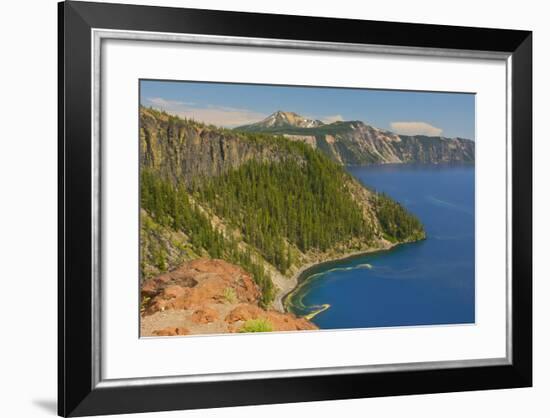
[
  {"x": 356, "y": 143},
  {"x": 281, "y": 120}
]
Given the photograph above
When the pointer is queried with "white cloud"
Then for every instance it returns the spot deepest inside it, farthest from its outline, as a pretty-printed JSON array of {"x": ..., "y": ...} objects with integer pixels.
[
  {"x": 216, "y": 115},
  {"x": 332, "y": 118},
  {"x": 159, "y": 101},
  {"x": 415, "y": 128},
  {"x": 221, "y": 117}
]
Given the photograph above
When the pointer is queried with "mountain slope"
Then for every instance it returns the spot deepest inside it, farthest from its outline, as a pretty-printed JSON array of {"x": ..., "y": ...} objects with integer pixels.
[
  {"x": 281, "y": 120},
  {"x": 356, "y": 143},
  {"x": 267, "y": 204}
]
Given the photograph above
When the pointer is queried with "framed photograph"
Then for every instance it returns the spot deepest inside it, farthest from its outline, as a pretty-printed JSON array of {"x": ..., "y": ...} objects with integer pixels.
[{"x": 265, "y": 208}]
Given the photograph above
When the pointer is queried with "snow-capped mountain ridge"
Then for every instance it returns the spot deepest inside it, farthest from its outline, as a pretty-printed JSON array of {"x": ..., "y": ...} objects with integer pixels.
[{"x": 282, "y": 119}]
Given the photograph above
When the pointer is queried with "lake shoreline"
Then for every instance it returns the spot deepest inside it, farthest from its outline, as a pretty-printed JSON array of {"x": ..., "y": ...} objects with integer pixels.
[{"x": 297, "y": 279}]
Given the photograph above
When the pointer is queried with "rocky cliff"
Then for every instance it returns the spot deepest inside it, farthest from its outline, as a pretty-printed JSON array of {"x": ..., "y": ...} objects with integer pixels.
[
  {"x": 356, "y": 143},
  {"x": 183, "y": 150}
]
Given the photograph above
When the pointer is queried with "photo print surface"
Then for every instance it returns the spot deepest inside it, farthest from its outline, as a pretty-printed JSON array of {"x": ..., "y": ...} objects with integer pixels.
[{"x": 268, "y": 208}]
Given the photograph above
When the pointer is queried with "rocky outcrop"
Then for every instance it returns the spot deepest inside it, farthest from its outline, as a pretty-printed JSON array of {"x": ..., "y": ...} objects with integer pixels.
[{"x": 206, "y": 296}]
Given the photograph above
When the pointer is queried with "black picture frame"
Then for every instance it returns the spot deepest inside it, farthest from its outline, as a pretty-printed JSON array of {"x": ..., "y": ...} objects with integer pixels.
[{"x": 78, "y": 394}]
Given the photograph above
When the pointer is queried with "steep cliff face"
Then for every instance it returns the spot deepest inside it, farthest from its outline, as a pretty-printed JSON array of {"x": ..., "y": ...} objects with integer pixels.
[
  {"x": 425, "y": 149},
  {"x": 356, "y": 143},
  {"x": 185, "y": 150}
]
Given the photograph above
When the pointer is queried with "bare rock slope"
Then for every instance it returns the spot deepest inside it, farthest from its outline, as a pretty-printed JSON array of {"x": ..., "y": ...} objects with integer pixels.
[{"x": 357, "y": 143}]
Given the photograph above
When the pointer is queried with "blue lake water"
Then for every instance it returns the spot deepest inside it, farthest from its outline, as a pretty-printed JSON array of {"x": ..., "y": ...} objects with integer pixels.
[{"x": 424, "y": 283}]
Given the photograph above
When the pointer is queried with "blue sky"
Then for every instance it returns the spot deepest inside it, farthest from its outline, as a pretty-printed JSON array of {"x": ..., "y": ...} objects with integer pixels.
[{"x": 230, "y": 105}]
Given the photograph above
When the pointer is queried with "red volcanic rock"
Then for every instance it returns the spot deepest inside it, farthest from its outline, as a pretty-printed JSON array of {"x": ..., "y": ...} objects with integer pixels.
[
  {"x": 196, "y": 283},
  {"x": 246, "y": 290},
  {"x": 288, "y": 322},
  {"x": 214, "y": 266},
  {"x": 244, "y": 312},
  {"x": 171, "y": 331},
  {"x": 149, "y": 288},
  {"x": 204, "y": 316},
  {"x": 207, "y": 292},
  {"x": 279, "y": 321},
  {"x": 173, "y": 291}
]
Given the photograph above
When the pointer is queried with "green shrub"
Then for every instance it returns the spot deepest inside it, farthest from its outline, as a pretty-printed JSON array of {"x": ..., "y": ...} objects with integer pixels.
[
  {"x": 257, "y": 325},
  {"x": 229, "y": 295}
]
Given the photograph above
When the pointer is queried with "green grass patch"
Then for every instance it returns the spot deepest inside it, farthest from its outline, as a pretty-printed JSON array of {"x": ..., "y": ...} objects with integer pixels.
[
  {"x": 257, "y": 325},
  {"x": 229, "y": 295}
]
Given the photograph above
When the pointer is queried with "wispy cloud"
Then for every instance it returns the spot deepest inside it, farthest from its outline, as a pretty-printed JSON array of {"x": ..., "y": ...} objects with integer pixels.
[
  {"x": 415, "y": 128},
  {"x": 332, "y": 118},
  {"x": 217, "y": 115},
  {"x": 159, "y": 101}
]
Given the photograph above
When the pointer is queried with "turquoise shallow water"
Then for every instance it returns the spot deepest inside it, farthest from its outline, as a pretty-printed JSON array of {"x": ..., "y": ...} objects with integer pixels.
[{"x": 424, "y": 283}]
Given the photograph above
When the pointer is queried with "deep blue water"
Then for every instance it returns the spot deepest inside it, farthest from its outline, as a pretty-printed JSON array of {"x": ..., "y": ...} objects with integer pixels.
[{"x": 424, "y": 283}]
